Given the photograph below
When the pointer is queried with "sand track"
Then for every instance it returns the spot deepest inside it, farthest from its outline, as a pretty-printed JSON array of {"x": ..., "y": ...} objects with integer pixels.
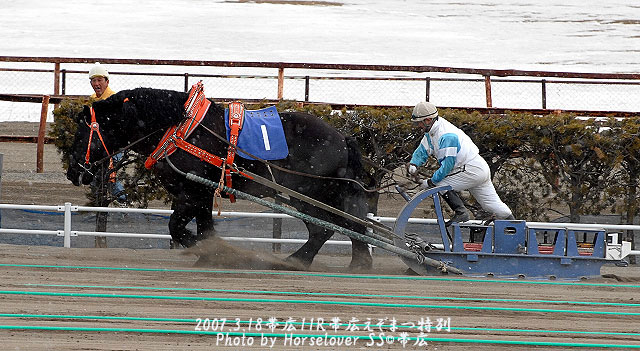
[{"x": 150, "y": 299}]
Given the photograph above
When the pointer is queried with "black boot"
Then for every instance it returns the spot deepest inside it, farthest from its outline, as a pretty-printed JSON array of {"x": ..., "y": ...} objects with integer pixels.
[{"x": 461, "y": 214}]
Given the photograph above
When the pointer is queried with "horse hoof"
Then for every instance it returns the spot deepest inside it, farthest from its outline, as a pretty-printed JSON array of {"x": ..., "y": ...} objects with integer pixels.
[
  {"x": 297, "y": 262},
  {"x": 410, "y": 271},
  {"x": 361, "y": 267},
  {"x": 187, "y": 242}
]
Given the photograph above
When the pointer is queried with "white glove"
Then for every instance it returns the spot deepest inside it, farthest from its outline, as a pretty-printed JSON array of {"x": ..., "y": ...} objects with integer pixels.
[
  {"x": 427, "y": 184},
  {"x": 412, "y": 169}
]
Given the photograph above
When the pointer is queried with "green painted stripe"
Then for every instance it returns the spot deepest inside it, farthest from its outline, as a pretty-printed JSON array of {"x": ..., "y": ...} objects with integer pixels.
[
  {"x": 325, "y": 275},
  {"x": 368, "y": 338},
  {"x": 184, "y": 320},
  {"x": 62, "y": 316},
  {"x": 318, "y": 302},
  {"x": 269, "y": 292}
]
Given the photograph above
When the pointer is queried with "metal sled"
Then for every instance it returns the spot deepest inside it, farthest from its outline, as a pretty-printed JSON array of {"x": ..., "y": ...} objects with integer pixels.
[{"x": 510, "y": 248}]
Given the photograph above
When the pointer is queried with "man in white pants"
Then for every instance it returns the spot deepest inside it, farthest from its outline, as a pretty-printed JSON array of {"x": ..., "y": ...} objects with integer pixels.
[{"x": 461, "y": 166}]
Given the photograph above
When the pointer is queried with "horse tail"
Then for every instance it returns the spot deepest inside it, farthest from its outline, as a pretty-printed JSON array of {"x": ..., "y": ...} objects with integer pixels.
[
  {"x": 355, "y": 164},
  {"x": 354, "y": 158}
]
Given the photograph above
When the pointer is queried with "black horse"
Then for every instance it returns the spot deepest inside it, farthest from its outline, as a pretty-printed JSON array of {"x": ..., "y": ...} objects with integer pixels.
[{"x": 315, "y": 148}]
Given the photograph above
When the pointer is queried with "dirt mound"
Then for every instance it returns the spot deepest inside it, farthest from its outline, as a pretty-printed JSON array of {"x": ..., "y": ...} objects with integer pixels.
[
  {"x": 215, "y": 252},
  {"x": 621, "y": 278}
]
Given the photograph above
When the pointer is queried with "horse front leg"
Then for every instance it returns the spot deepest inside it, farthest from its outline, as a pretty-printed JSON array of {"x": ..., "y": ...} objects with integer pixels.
[
  {"x": 204, "y": 218},
  {"x": 181, "y": 216}
]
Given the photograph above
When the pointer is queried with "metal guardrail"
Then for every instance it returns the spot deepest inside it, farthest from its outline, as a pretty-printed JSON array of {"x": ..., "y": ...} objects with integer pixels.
[{"x": 67, "y": 231}]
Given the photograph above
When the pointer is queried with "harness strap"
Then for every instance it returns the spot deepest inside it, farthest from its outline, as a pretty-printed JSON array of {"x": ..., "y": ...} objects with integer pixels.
[
  {"x": 236, "y": 120},
  {"x": 95, "y": 127},
  {"x": 205, "y": 156},
  {"x": 196, "y": 108},
  {"x": 166, "y": 146}
]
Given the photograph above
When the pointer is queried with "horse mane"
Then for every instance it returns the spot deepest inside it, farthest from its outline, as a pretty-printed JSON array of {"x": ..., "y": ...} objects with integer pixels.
[{"x": 159, "y": 107}]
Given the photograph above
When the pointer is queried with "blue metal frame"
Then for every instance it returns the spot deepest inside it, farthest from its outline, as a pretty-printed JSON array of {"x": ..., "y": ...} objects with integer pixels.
[{"x": 509, "y": 249}]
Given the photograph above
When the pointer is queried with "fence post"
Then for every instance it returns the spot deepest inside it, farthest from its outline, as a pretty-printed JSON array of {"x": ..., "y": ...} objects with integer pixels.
[
  {"x": 43, "y": 126},
  {"x": 67, "y": 224},
  {"x": 1, "y": 156},
  {"x": 56, "y": 79},
  {"x": 306, "y": 89},
  {"x": 427, "y": 88},
  {"x": 544, "y": 94},
  {"x": 101, "y": 200},
  {"x": 101, "y": 226},
  {"x": 64, "y": 82},
  {"x": 277, "y": 229},
  {"x": 186, "y": 82},
  {"x": 487, "y": 88},
  {"x": 280, "y": 82}
]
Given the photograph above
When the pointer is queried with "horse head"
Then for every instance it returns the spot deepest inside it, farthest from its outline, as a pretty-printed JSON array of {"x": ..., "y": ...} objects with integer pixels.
[
  {"x": 138, "y": 115},
  {"x": 100, "y": 133}
]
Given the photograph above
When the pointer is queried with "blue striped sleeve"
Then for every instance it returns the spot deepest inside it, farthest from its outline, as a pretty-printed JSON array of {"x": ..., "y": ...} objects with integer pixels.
[
  {"x": 449, "y": 147},
  {"x": 420, "y": 156}
]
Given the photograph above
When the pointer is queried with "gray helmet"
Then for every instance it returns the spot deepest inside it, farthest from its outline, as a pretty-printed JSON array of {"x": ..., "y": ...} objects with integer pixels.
[{"x": 424, "y": 110}]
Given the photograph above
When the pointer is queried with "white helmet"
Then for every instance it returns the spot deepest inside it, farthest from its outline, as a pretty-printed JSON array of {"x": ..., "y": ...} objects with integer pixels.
[
  {"x": 424, "y": 110},
  {"x": 98, "y": 71}
]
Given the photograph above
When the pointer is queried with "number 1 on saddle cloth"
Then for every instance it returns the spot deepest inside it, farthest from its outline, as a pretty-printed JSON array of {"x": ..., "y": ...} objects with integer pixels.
[{"x": 261, "y": 135}]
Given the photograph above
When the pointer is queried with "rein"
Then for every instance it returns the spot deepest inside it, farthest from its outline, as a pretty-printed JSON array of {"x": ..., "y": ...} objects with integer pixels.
[
  {"x": 233, "y": 149},
  {"x": 94, "y": 126},
  {"x": 270, "y": 164},
  {"x": 195, "y": 109},
  {"x": 370, "y": 223},
  {"x": 120, "y": 150}
]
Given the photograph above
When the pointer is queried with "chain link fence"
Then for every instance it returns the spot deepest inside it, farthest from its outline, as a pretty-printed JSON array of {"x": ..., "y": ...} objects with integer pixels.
[{"x": 334, "y": 86}]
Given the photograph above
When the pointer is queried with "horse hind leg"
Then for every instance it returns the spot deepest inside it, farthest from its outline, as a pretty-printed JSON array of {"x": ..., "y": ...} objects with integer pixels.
[
  {"x": 361, "y": 259},
  {"x": 306, "y": 253}
]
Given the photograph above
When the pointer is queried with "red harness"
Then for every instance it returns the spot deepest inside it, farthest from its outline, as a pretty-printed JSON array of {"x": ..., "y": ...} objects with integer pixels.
[
  {"x": 95, "y": 127},
  {"x": 236, "y": 120},
  {"x": 196, "y": 108}
]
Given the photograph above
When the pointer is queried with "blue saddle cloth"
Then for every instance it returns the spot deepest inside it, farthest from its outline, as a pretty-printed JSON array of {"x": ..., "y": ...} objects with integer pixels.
[{"x": 261, "y": 134}]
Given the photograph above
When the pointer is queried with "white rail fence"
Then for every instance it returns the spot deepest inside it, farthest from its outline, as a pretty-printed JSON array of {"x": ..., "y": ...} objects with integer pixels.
[{"x": 67, "y": 231}]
